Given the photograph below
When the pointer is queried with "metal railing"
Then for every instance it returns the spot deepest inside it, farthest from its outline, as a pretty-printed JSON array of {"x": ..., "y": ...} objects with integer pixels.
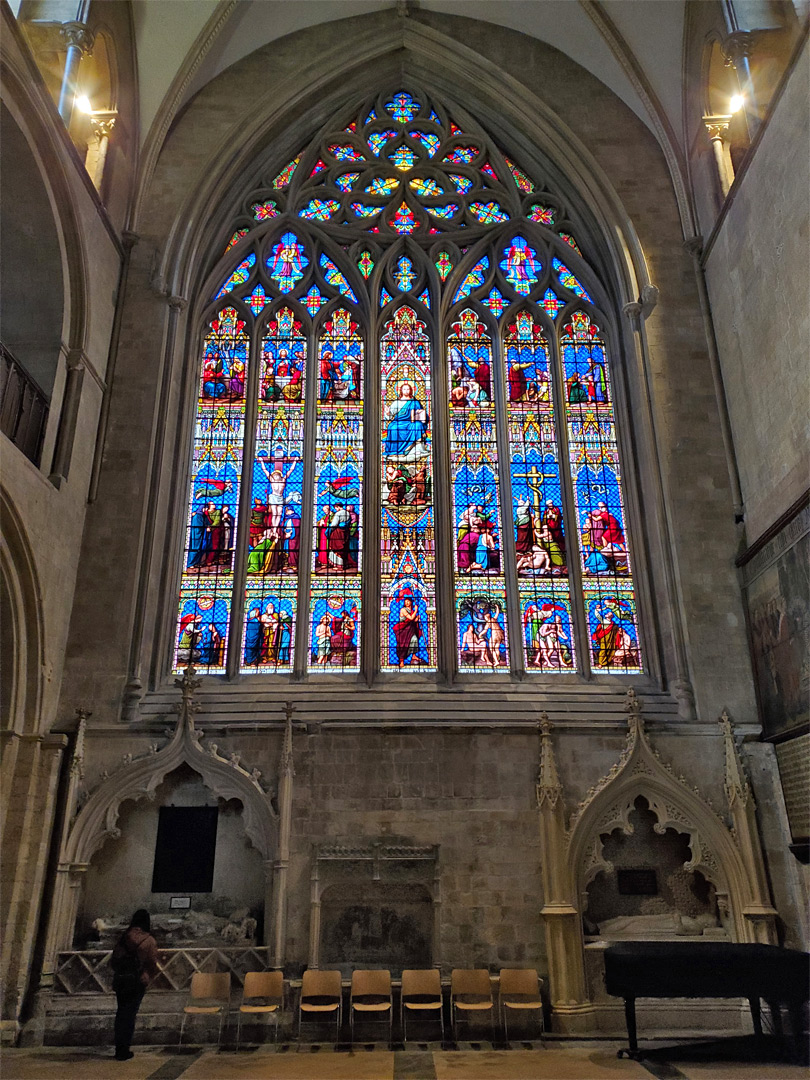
[{"x": 23, "y": 406}]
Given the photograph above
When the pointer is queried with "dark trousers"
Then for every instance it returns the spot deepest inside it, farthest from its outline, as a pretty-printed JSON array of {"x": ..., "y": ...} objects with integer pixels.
[{"x": 129, "y": 994}]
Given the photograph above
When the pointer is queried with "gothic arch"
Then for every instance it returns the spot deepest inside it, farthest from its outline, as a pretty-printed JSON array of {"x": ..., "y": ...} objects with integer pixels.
[{"x": 640, "y": 772}]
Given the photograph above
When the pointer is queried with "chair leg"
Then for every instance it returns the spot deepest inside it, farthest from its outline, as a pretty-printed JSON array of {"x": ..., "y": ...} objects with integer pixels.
[
  {"x": 219, "y": 1033},
  {"x": 238, "y": 1029},
  {"x": 505, "y": 1028},
  {"x": 182, "y": 1026}
]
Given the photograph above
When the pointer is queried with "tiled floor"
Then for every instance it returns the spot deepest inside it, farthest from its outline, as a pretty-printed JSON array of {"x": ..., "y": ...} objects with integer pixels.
[{"x": 558, "y": 1060}]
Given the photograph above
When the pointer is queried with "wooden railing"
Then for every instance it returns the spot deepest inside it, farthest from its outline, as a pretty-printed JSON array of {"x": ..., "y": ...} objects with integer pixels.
[
  {"x": 89, "y": 972},
  {"x": 23, "y": 406}
]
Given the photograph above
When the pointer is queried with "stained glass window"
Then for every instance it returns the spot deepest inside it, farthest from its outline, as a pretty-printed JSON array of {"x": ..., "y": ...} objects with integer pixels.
[
  {"x": 408, "y": 585},
  {"x": 596, "y": 479},
  {"x": 335, "y": 594},
  {"x": 361, "y": 231},
  {"x": 274, "y": 539},
  {"x": 480, "y": 588},
  {"x": 206, "y": 584}
]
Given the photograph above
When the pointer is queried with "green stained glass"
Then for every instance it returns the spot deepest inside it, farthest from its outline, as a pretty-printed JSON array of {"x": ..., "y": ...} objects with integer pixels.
[
  {"x": 319, "y": 209},
  {"x": 365, "y": 263},
  {"x": 346, "y": 181},
  {"x": 403, "y": 158},
  {"x": 284, "y": 177},
  {"x": 444, "y": 264},
  {"x": 521, "y": 179},
  {"x": 426, "y": 188}
]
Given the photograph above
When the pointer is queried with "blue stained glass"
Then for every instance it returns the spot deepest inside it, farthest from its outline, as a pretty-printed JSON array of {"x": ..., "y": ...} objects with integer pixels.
[
  {"x": 371, "y": 116},
  {"x": 551, "y": 303},
  {"x": 426, "y": 187},
  {"x": 313, "y": 301},
  {"x": 336, "y": 278},
  {"x": 402, "y": 107},
  {"x": 346, "y": 152},
  {"x": 403, "y": 158},
  {"x": 568, "y": 281},
  {"x": 443, "y": 211},
  {"x": 430, "y": 142},
  {"x": 496, "y": 303},
  {"x": 488, "y": 213},
  {"x": 378, "y": 139},
  {"x": 404, "y": 275},
  {"x": 382, "y": 185},
  {"x": 520, "y": 266},
  {"x": 319, "y": 209},
  {"x": 364, "y": 210},
  {"x": 434, "y": 117},
  {"x": 462, "y": 183},
  {"x": 424, "y": 298},
  {"x": 286, "y": 262},
  {"x": 257, "y": 299},
  {"x": 238, "y": 276},
  {"x": 346, "y": 181},
  {"x": 473, "y": 280},
  {"x": 385, "y": 297}
]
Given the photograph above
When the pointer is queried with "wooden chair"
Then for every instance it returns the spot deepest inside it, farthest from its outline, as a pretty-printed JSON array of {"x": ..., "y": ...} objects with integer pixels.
[
  {"x": 321, "y": 993},
  {"x": 519, "y": 990},
  {"x": 470, "y": 992},
  {"x": 370, "y": 994},
  {"x": 262, "y": 995},
  {"x": 214, "y": 990},
  {"x": 421, "y": 992}
]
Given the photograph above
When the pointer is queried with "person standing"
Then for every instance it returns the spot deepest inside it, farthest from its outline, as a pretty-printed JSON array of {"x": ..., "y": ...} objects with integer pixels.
[{"x": 134, "y": 964}]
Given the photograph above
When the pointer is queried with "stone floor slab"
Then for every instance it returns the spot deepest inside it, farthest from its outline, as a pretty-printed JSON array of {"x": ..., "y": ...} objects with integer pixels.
[
  {"x": 357, "y": 1065},
  {"x": 63, "y": 1064},
  {"x": 553, "y": 1064}
]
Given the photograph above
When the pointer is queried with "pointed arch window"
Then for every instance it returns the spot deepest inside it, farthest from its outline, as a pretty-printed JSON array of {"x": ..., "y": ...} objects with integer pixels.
[{"x": 405, "y": 451}]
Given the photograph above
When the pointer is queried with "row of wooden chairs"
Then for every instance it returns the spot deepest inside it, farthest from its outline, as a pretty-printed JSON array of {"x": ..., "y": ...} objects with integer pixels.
[{"x": 370, "y": 996}]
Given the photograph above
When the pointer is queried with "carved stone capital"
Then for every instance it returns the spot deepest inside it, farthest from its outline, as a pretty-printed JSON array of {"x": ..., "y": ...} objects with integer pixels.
[
  {"x": 78, "y": 36},
  {"x": 102, "y": 125},
  {"x": 694, "y": 245},
  {"x": 717, "y": 127},
  {"x": 737, "y": 47},
  {"x": 177, "y": 303},
  {"x": 632, "y": 310}
]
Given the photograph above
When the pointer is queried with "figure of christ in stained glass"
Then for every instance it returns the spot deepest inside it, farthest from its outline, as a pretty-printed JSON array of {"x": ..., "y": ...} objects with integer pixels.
[
  {"x": 479, "y": 581},
  {"x": 335, "y": 595},
  {"x": 540, "y": 543},
  {"x": 207, "y": 577},
  {"x": 598, "y": 498},
  {"x": 274, "y": 539},
  {"x": 408, "y": 630}
]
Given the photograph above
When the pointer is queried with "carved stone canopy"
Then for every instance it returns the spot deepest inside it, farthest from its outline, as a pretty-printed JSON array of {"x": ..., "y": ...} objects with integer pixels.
[{"x": 139, "y": 778}]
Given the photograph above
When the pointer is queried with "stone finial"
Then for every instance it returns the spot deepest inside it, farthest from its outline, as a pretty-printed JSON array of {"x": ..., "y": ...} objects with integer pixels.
[
  {"x": 287, "y": 767},
  {"x": 549, "y": 788},
  {"x": 188, "y": 685},
  {"x": 735, "y": 783}
]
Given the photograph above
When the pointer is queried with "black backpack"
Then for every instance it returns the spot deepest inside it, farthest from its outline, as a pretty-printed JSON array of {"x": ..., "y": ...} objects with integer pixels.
[{"x": 125, "y": 962}]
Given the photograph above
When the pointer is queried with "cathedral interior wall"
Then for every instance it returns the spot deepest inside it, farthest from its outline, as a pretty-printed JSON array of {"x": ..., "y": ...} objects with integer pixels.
[{"x": 756, "y": 272}]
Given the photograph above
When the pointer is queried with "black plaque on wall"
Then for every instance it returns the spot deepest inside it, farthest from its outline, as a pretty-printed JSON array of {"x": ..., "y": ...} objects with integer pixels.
[{"x": 184, "y": 850}]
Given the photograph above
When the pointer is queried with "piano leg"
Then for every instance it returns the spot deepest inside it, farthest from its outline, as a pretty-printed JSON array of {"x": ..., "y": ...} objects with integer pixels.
[
  {"x": 756, "y": 1016},
  {"x": 776, "y": 1017},
  {"x": 630, "y": 1019}
]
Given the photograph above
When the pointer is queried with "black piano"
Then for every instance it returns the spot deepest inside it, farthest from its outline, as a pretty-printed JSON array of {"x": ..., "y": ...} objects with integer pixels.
[{"x": 663, "y": 969}]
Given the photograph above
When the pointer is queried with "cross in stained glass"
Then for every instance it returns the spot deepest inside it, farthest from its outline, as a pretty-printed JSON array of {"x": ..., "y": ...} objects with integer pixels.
[
  {"x": 365, "y": 263},
  {"x": 313, "y": 300},
  {"x": 404, "y": 221},
  {"x": 404, "y": 275},
  {"x": 257, "y": 299},
  {"x": 402, "y": 107},
  {"x": 552, "y": 303},
  {"x": 403, "y": 158},
  {"x": 534, "y": 478},
  {"x": 496, "y": 303}
]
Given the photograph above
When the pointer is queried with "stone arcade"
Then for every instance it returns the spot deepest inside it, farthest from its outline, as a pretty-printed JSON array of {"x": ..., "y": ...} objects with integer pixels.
[{"x": 421, "y": 355}]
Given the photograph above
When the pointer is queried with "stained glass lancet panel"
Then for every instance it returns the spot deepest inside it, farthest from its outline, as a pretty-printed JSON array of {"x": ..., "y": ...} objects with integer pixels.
[
  {"x": 276, "y": 498},
  {"x": 480, "y": 593},
  {"x": 610, "y": 603},
  {"x": 408, "y": 586},
  {"x": 540, "y": 542},
  {"x": 335, "y": 595},
  {"x": 207, "y": 578}
]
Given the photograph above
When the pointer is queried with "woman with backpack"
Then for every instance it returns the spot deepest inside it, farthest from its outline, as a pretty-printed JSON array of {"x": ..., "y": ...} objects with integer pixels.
[{"x": 134, "y": 963}]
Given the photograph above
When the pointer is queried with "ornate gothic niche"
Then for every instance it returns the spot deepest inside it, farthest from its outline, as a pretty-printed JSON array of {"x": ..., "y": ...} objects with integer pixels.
[
  {"x": 639, "y": 772},
  {"x": 139, "y": 778},
  {"x": 648, "y": 886}
]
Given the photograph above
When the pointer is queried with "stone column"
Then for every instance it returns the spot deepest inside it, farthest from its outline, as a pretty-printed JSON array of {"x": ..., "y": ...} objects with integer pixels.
[
  {"x": 564, "y": 944},
  {"x": 717, "y": 128},
  {"x": 79, "y": 41},
  {"x": 71, "y": 401},
  {"x": 314, "y": 916},
  {"x": 759, "y": 913},
  {"x": 281, "y": 866},
  {"x": 101, "y": 124}
]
